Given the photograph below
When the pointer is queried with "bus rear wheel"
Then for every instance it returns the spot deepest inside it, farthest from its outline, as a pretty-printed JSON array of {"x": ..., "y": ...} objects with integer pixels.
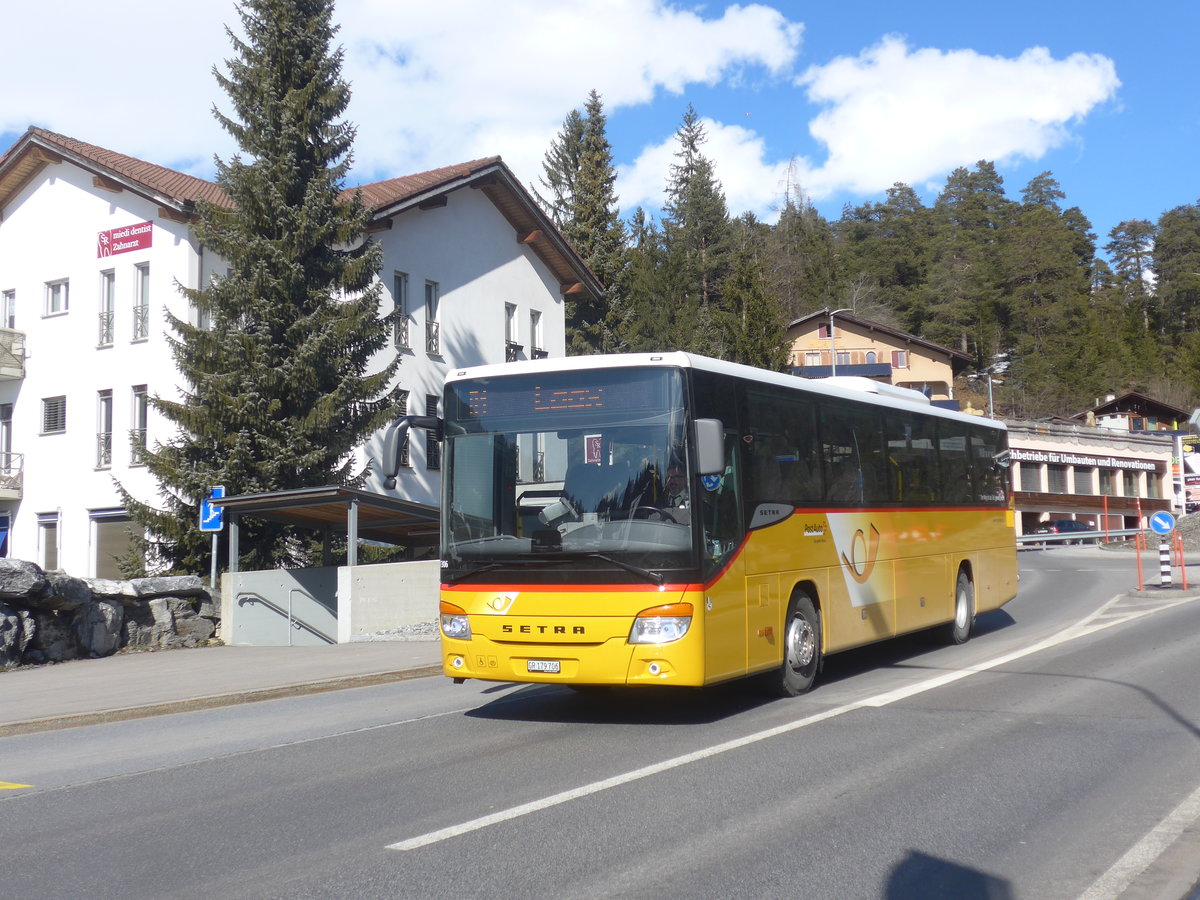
[
  {"x": 801, "y": 648},
  {"x": 959, "y": 628}
]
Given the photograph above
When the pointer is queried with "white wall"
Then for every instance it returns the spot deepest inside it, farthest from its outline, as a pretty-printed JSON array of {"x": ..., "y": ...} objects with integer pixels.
[
  {"x": 471, "y": 251},
  {"x": 50, "y": 231}
]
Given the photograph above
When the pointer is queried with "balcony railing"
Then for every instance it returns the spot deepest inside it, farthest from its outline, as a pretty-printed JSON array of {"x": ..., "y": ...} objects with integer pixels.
[
  {"x": 539, "y": 353},
  {"x": 433, "y": 340},
  {"x": 103, "y": 449},
  {"x": 12, "y": 467},
  {"x": 105, "y": 337},
  {"x": 400, "y": 332},
  {"x": 137, "y": 446},
  {"x": 141, "y": 322},
  {"x": 512, "y": 351},
  {"x": 12, "y": 354}
]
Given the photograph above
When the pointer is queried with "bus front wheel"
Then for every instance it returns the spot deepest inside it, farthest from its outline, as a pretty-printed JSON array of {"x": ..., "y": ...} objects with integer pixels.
[
  {"x": 801, "y": 648},
  {"x": 958, "y": 629}
]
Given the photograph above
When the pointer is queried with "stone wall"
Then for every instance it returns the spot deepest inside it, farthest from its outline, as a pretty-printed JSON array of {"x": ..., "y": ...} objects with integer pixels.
[{"x": 52, "y": 616}]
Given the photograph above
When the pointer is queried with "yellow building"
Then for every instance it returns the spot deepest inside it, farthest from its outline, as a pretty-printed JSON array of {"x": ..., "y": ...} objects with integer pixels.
[{"x": 837, "y": 342}]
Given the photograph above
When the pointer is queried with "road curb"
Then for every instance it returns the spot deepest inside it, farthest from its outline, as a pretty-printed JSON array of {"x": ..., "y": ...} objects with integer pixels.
[{"x": 214, "y": 701}]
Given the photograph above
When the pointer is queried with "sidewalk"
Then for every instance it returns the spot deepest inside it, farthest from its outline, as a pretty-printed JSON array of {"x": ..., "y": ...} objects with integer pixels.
[{"x": 136, "y": 685}]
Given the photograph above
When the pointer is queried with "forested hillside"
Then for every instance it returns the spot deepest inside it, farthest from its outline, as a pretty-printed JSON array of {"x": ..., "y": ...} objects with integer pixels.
[{"x": 1021, "y": 283}]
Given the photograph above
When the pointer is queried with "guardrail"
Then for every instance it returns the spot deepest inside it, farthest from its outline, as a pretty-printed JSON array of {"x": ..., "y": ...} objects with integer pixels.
[{"x": 1024, "y": 541}]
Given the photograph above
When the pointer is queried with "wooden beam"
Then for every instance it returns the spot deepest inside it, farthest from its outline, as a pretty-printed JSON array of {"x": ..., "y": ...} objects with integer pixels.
[
  {"x": 529, "y": 237},
  {"x": 174, "y": 215},
  {"x": 433, "y": 202},
  {"x": 486, "y": 180},
  {"x": 378, "y": 226},
  {"x": 568, "y": 289},
  {"x": 107, "y": 184}
]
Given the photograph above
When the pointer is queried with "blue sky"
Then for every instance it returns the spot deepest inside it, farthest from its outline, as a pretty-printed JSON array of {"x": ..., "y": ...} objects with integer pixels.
[{"x": 838, "y": 100}]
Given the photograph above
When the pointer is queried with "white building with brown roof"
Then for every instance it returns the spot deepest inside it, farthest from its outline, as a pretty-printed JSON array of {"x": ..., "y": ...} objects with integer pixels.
[{"x": 94, "y": 246}]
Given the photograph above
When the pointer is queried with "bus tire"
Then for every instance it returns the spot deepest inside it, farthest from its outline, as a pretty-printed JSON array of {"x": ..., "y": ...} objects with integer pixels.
[
  {"x": 958, "y": 629},
  {"x": 801, "y": 648}
]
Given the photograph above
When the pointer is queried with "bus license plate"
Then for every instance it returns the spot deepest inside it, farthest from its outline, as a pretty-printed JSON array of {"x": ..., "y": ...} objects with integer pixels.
[{"x": 552, "y": 666}]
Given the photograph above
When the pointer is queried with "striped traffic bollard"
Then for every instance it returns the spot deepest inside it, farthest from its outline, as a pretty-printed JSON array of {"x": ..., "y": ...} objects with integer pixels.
[{"x": 1164, "y": 564}]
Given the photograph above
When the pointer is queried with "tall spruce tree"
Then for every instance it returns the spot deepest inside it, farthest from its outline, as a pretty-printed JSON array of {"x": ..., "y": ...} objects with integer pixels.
[
  {"x": 696, "y": 228},
  {"x": 753, "y": 323},
  {"x": 276, "y": 390},
  {"x": 597, "y": 233}
]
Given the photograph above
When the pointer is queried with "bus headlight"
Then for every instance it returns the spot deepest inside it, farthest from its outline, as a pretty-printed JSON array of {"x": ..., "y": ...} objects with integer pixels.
[
  {"x": 661, "y": 624},
  {"x": 455, "y": 623}
]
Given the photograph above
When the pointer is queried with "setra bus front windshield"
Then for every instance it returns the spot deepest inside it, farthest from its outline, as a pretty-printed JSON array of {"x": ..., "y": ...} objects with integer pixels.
[{"x": 565, "y": 471}]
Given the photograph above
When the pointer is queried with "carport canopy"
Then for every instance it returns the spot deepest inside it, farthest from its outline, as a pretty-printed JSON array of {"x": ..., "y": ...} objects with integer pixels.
[{"x": 357, "y": 514}]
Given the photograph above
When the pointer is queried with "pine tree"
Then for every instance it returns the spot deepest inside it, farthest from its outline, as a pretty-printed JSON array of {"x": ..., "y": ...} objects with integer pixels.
[
  {"x": 597, "y": 233},
  {"x": 1131, "y": 248},
  {"x": 696, "y": 228},
  {"x": 753, "y": 323},
  {"x": 276, "y": 392},
  {"x": 560, "y": 167}
]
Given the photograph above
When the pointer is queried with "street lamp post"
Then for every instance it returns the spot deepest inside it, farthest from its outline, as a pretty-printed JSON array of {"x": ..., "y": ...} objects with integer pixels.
[{"x": 833, "y": 341}]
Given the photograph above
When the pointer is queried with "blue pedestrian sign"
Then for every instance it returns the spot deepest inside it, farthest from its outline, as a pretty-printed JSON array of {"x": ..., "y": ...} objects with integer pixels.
[
  {"x": 212, "y": 518},
  {"x": 1162, "y": 523}
]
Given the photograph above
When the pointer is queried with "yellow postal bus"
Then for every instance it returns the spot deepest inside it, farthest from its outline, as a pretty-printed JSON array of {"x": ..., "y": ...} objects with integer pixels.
[{"x": 668, "y": 519}]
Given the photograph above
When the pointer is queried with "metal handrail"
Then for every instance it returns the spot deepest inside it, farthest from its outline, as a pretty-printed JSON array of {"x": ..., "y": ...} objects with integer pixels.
[
  {"x": 1071, "y": 537},
  {"x": 433, "y": 342},
  {"x": 245, "y": 597}
]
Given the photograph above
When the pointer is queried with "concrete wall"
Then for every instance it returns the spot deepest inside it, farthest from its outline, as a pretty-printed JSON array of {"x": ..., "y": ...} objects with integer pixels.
[
  {"x": 389, "y": 601},
  {"x": 385, "y": 602}
]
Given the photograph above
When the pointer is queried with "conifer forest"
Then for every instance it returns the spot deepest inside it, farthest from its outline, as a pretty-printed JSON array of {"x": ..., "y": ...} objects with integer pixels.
[{"x": 1017, "y": 280}]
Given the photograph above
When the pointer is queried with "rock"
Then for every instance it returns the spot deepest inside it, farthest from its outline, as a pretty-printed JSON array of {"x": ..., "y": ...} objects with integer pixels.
[
  {"x": 63, "y": 591},
  {"x": 177, "y": 623},
  {"x": 17, "y": 628},
  {"x": 97, "y": 627},
  {"x": 20, "y": 579},
  {"x": 138, "y": 628},
  {"x": 111, "y": 589},
  {"x": 54, "y": 638},
  {"x": 168, "y": 586}
]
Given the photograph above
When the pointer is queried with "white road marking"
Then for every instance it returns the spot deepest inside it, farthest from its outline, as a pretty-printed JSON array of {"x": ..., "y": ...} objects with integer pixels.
[
  {"x": 1088, "y": 625},
  {"x": 1125, "y": 870}
]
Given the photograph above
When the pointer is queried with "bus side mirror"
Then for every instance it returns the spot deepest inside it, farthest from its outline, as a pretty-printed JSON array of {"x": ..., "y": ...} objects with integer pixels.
[
  {"x": 708, "y": 442},
  {"x": 393, "y": 442}
]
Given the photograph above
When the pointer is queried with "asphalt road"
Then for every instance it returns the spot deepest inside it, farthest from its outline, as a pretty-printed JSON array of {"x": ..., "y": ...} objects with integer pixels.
[{"x": 1046, "y": 758}]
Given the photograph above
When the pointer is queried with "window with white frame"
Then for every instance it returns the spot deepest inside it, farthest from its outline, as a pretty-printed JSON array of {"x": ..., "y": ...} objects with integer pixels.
[
  {"x": 108, "y": 292},
  {"x": 54, "y": 415},
  {"x": 433, "y": 299},
  {"x": 400, "y": 330},
  {"x": 899, "y": 359},
  {"x": 104, "y": 427},
  {"x": 139, "y": 416},
  {"x": 433, "y": 449},
  {"x": 402, "y": 410},
  {"x": 58, "y": 297},
  {"x": 8, "y": 309},
  {"x": 48, "y": 540},
  {"x": 141, "y": 302},
  {"x": 536, "y": 350},
  {"x": 7, "y": 463},
  {"x": 512, "y": 348}
]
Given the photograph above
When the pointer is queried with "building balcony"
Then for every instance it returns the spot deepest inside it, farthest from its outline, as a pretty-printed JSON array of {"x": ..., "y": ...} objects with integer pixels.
[
  {"x": 12, "y": 354},
  {"x": 882, "y": 371},
  {"x": 12, "y": 467},
  {"x": 512, "y": 351}
]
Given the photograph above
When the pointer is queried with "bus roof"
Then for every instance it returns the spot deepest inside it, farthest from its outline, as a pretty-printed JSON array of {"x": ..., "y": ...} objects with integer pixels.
[{"x": 850, "y": 387}]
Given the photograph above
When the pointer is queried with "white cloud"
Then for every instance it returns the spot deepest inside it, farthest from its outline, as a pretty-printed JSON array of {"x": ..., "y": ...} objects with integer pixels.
[
  {"x": 750, "y": 180},
  {"x": 432, "y": 92},
  {"x": 432, "y": 84},
  {"x": 894, "y": 114}
]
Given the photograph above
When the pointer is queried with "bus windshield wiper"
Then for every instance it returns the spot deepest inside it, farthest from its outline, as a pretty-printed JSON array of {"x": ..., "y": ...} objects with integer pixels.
[
  {"x": 490, "y": 566},
  {"x": 656, "y": 577}
]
